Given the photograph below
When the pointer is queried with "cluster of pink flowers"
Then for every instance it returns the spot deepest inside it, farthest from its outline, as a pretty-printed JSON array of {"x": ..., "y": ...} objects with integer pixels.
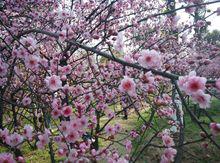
[
  {"x": 53, "y": 82},
  {"x": 29, "y": 42},
  {"x": 28, "y": 132},
  {"x": 166, "y": 112},
  {"x": 7, "y": 158},
  {"x": 195, "y": 86},
  {"x": 134, "y": 134},
  {"x": 32, "y": 62},
  {"x": 200, "y": 23},
  {"x": 4, "y": 134},
  {"x": 128, "y": 145},
  {"x": 169, "y": 152},
  {"x": 66, "y": 70},
  {"x": 168, "y": 155},
  {"x": 148, "y": 82},
  {"x": 112, "y": 130},
  {"x": 14, "y": 140},
  {"x": 26, "y": 101},
  {"x": 61, "y": 72},
  {"x": 73, "y": 129},
  {"x": 150, "y": 59},
  {"x": 43, "y": 139},
  {"x": 167, "y": 139},
  {"x": 163, "y": 101},
  {"x": 128, "y": 86},
  {"x": 67, "y": 111}
]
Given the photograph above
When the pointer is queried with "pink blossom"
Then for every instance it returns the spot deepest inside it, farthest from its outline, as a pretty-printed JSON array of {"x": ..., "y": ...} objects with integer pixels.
[
  {"x": 128, "y": 145},
  {"x": 63, "y": 78},
  {"x": 26, "y": 101},
  {"x": 81, "y": 108},
  {"x": 28, "y": 41},
  {"x": 150, "y": 59},
  {"x": 14, "y": 139},
  {"x": 72, "y": 136},
  {"x": 168, "y": 155},
  {"x": 182, "y": 81},
  {"x": 122, "y": 160},
  {"x": 88, "y": 97},
  {"x": 31, "y": 62},
  {"x": 128, "y": 59},
  {"x": 44, "y": 62},
  {"x": 202, "y": 99},
  {"x": 109, "y": 130},
  {"x": 200, "y": 23},
  {"x": 66, "y": 70},
  {"x": 217, "y": 84},
  {"x": 190, "y": 10},
  {"x": 148, "y": 78},
  {"x": 4, "y": 134},
  {"x": 28, "y": 132},
  {"x": 20, "y": 53},
  {"x": 20, "y": 159},
  {"x": 61, "y": 153},
  {"x": 43, "y": 140},
  {"x": 134, "y": 134},
  {"x": 54, "y": 83},
  {"x": 115, "y": 156},
  {"x": 66, "y": 88},
  {"x": 94, "y": 119},
  {"x": 110, "y": 114},
  {"x": 74, "y": 124},
  {"x": 127, "y": 85},
  {"x": 215, "y": 128},
  {"x": 6, "y": 158},
  {"x": 56, "y": 104},
  {"x": 194, "y": 83},
  {"x": 167, "y": 112},
  {"x": 167, "y": 140},
  {"x": 56, "y": 113},
  {"x": 72, "y": 155},
  {"x": 67, "y": 111},
  {"x": 117, "y": 127},
  {"x": 83, "y": 121},
  {"x": 64, "y": 126}
]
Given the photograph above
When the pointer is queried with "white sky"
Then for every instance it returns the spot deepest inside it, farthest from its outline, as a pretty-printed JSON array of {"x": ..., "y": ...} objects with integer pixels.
[{"x": 214, "y": 19}]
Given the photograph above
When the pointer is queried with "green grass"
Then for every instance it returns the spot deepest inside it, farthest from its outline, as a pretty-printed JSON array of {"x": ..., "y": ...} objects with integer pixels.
[{"x": 193, "y": 153}]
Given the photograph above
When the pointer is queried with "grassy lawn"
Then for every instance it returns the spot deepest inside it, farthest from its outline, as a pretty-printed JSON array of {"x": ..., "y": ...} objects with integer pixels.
[{"x": 193, "y": 153}]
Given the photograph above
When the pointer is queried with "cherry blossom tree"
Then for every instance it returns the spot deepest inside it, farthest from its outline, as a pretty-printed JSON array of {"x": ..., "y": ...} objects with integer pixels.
[{"x": 70, "y": 69}]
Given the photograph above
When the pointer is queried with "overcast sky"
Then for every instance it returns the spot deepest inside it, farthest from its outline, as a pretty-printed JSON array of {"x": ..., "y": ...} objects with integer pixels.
[{"x": 214, "y": 19}]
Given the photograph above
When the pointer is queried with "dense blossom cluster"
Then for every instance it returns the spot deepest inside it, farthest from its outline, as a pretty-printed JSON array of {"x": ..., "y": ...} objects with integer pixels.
[
  {"x": 194, "y": 86},
  {"x": 70, "y": 72}
]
